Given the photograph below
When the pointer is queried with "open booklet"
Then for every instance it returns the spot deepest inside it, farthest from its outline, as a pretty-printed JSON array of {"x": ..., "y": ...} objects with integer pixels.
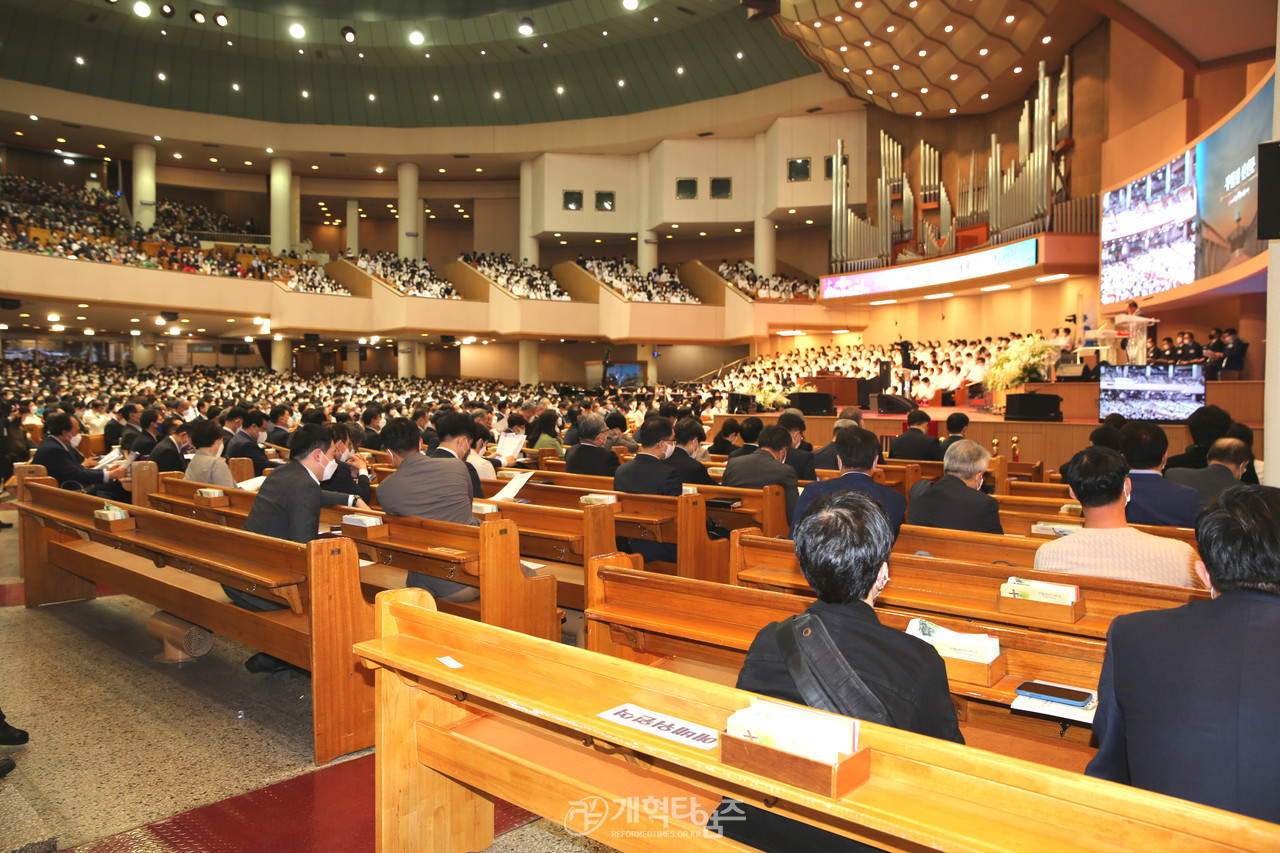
[
  {"x": 116, "y": 455},
  {"x": 510, "y": 444},
  {"x": 252, "y": 484}
]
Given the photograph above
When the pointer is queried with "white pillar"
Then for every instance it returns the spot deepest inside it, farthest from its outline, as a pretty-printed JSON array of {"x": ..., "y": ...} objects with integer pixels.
[
  {"x": 766, "y": 239},
  {"x": 644, "y": 355},
  {"x": 528, "y": 242},
  {"x": 144, "y": 184},
  {"x": 353, "y": 226},
  {"x": 406, "y": 236},
  {"x": 646, "y": 240},
  {"x": 422, "y": 228},
  {"x": 282, "y": 356},
  {"x": 281, "y": 198},
  {"x": 1271, "y": 367},
  {"x": 295, "y": 212},
  {"x": 529, "y": 363},
  {"x": 419, "y": 360},
  {"x": 144, "y": 352},
  {"x": 404, "y": 356}
]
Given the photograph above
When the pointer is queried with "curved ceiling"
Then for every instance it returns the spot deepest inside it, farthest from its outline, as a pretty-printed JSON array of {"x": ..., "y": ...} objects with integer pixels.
[{"x": 585, "y": 58}]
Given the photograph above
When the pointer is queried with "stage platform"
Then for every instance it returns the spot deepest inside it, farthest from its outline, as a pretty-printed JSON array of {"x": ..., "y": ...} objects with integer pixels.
[{"x": 1050, "y": 442}]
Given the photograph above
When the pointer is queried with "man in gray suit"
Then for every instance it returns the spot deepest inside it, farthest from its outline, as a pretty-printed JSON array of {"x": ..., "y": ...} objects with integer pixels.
[
  {"x": 766, "y": 467},
  {"x": 1227, "y": 458},
  {"x": 434, "y": 487}
]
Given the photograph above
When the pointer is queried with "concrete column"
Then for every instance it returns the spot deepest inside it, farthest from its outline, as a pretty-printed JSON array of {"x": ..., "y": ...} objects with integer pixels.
[
  {"x": 295, "y": 212},
  {"x": 406, "y": 245},
  {"x": 281, "y": 199},
  {"x": 766, "y": 239},
  {"x": 529, "y": 372},
  {"x": 144, "y": 184},
  {"x": 353, "y": 226},
  {"x": 647, "y": 250},
  {"x": 528, "y": 242},
  {"x": 419, "y": 360},
  {"x": 646, "y": 240},
  {"x": 282, "y": 356},
  {"x": 404, "y": 356},
  {"x": 144, "y": 351},
  {"x": 644, "y": 355}
]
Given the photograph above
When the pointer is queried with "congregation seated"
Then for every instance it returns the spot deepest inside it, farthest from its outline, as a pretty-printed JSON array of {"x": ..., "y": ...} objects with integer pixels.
[
  {"x": 523, "y": 279},
  {"x": 624, "y": 276},
  {"x": 1154, "y": 499},
  {"x": 955, "y": 501},
  {"x": 857, "y": 450},
  {"x": 743, "y": 276},
  {"x": 1228, "y": 459},
  {"x": 410, "y": 276},
  {"x": 311, "y": 278},
  {"x": 1106, "y": 546}
]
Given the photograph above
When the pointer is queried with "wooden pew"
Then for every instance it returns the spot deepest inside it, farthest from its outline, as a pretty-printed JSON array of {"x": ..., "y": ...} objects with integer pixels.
[
  {"x": 1021, "y": 523},
  {"x": 487, "y": 557},
  {"x": 966, "y": 545},
  {"x": 468, "y": 713},
  {"x": 1030, "y": 471},
  {"x": 177, "y": 564},
  {"x": 1036, "y": 490}
]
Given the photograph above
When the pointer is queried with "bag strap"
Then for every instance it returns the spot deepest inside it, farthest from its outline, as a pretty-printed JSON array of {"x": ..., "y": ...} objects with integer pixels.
[{"x": 822, "y": 674}]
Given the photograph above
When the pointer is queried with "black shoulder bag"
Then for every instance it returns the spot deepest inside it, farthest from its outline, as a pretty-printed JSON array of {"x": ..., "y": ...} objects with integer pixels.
[{"x": 823, "y": 676}]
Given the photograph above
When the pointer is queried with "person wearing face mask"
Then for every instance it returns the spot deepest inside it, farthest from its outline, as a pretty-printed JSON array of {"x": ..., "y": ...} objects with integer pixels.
[
  {"x": 143, "y": 441},
  {"x": 278, "y": 430},
  {"x": 373, "y": 421},
  {"x": 168, "y": 452},
  {"x": 352, "y": 474},
  {"x": 647, "y": 473},
  {"x": 590, "y": 455},
  {"x": 955, "y": 500},
  {"x": 58, "y": 454},
  {"x": 208, "y": 465},
  {"x": 689, "y": 435},
  {"x": 766, "y": 467},
  {"x": 1098, "y": 477},
  {"x": 455, "y": 441},
  {"x": 248, "y": 442}
]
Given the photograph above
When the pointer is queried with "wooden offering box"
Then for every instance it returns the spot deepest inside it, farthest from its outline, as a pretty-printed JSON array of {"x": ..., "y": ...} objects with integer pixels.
[
  {"x": 972, "y": 672},
  {"x": 1066, "y": 613},
  {"x": 366, "y": 534},
  {"x": 829, "y": 780}
]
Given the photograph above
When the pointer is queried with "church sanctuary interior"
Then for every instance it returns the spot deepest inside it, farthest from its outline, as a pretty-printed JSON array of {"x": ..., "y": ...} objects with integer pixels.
[{"x": 654, "y": 272}]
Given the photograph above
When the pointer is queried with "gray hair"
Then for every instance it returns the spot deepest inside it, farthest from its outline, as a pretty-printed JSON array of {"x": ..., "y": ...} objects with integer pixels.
[
  {"x": 965, "y": 459},
  {"x": 842, "y": 423},
  {"x": 590, "y": 426}
]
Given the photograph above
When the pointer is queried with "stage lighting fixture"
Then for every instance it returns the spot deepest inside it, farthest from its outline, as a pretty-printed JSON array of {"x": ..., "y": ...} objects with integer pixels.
[
  {"x": 526, "y": 27},
  {"x": 348, "y": 35},
  {"x": 198, "y": 16}
]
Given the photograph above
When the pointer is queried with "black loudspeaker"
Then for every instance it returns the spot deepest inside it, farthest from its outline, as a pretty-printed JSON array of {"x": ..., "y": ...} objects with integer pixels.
[
  {"x": 892, "y": 404},
  {"x": 10, "y": 304},
  {"x": 812, "y": 402},
  {"x": 1078, "y": 372},
  {"x": 741, "y": 404},
  {"x": 364, "y": 353},
  {"x": 227, "y": 349},
  {"x": 342, "y": 351},
  {"x": 312, "y": 337},
  {"x": 1269, "y": 191},
  {"x": 1033, "y": 407}
]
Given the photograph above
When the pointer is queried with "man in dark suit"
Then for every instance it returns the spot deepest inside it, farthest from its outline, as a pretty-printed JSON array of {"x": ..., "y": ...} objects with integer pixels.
[
  {"x": 648, "y": 474},
  {"x": 589, "y": 455},
  {"x": 168, "y": 452},
  {"x": 800, "y": 454},
  {"x": 352, "y": 474},
  {"x": 915, "y": 443},
  {"x": 130, "y": 426},
  {"x": 1228, "y": 458},
  {"x": 232, "y": 420},
  {"x": 1233, "y": 354},
  {"x": 858, "y": 449},
  {"x": 1152, "y": 498},
  {"x": 766, "y": 467},
  {"x": 278, "y": 429},
  {"x": 455, "y": 441},
  {"x": 248, "y": 442},
  {"x": 434, "y": 487},
  {"x": 1206, "y": 424},
  {"x": 1189, "y": 697},
  {"x": 430, "y": 438},
  {"x": 957, "y": 425},
  {"x": 750, "y": 434},
  {"x": 112, "y": 429},
  {"x": 825, "y": 458},
  {"x": 373, "y": 421},
  {"x": 57, "y": 453},
  {"x": 288, "y": 507},
  {"x": 689, "y": 435},
  {"x": 955, "y": 501},
  {"x": 144, "y": 440}
]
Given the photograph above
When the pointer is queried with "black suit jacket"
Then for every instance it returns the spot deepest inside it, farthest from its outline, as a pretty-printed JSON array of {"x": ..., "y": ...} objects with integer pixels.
[
  {"x": 1155, "y": 500},
  {"x": 689, "y": 469},
  {"x": 244, "y": 445},
  {"x": 1187, "y": 703},
  {"x": 915, "y": 444},
  {"x": 646, "y": 475},
  {"x": 111, "y": 432},
  {"x": 343, "y": 480},
  {"x": 477, "y": 491},
  {"x": 278, "y": 435},
  {"x": 288, "y": 505},
  {"x": 801, "y": 461},
  {"x": 721, "y": 447},
  {"x": 589, "y": 459},
  {"x": 826, "y": 459},
  {"x": 143, "y": 443},
  {"x": 947, "y": 442},
  {"x": 167, "y": 456},
  {"x": 372, "y": 439},
  {"x": 64, "y": 464},
  {"x": 744, "y": 450},
  {"x": 949, "y": 503}
]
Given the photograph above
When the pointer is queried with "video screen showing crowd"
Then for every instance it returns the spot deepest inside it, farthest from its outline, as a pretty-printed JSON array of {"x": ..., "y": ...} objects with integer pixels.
[
  {"x": 1165, "y": 394},
  {"x": 1149, "y": 232}
]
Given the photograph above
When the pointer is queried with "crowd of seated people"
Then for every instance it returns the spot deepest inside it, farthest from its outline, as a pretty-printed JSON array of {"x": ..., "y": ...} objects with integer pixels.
[
  {"x": 311, "y": 278},
  {"x": 410, "y": 276},
  {"x": 658, "y": 285},
  {"x": 182, "y": 216},
  {"x": 522, "y": 278},
  {"x": 743, "y": 276}
]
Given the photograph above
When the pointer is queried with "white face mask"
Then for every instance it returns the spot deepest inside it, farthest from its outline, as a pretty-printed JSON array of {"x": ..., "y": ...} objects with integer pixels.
[
  {"x": 262, "y": 437},
  {"x": 345, "y": 455},
  {"x": 671, "y": 448},
  {"x": 75, "y": 439},
  {"x": 330, "y": 468}
]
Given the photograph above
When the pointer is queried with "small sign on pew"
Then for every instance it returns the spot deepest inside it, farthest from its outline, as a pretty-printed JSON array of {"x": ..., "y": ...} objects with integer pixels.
[{"x": 662, "y": 725}]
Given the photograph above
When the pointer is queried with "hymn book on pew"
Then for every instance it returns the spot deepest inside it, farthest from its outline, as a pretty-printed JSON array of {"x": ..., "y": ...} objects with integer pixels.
[
  {"x": 1032, "y": 590},
  {"x": 252, "y": 484},
  {"x": 980, "y": 648}
]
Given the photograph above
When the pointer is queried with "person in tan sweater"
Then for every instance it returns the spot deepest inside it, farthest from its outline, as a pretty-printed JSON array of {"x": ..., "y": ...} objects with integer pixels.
[{"x": 1107, "y": 546}]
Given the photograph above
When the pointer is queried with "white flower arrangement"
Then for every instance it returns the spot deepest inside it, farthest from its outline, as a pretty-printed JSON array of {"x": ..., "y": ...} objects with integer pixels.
[{"x": 1025, "y": 360}]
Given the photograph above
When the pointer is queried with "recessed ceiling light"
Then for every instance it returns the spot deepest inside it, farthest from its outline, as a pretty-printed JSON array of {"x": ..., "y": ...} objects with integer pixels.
[
  {"x": 378, "y": 169},
  {"x": 884, "y": 302},
  {"x": 220, "y": 19},
  {"x": 846, "y": 71},
  {"x": 948, "y": 28},
  {"x": 142, "y": 10},
  {"x": 271, "y": 150},
  {"x": 416, "y": 37},
  {"x": 230, "y": 43},
  {"x": 889, "y": 28},
  {"x": 866, "y": 43},
  {"x": 200, "y": 330},
  {"x": 441, "y": 170},
  {"x": 680, "y": 69},
  {"x": 792, "y": 210},
  {"x": 808, "y": 222},
  {"x": 525, "y": 27},
  {"x": 213, "y": 159},
  {"x": 622, "y": 83},
  {"x": 923, "y": 52},
  {"x": 914, "y": 3},
  {"x": 675, "y": 224},
  {"x": 893, "y": 94},
  {"x": 348, "y": 35},
  {"x": 131, "y": 320},
  {"x": 631, "y": 5},
  {"x": 101, "y": 145},
  {"x": 53, "y": 318},
  {"x": 426, "y": 56},
  {"x": 918, "y": 113},
  {"x": 844, "y": 48},
  {"x": 314, "y": 167},
  {"x": 939, "y": 295},
  {"x": 478, "y": 169},
  {"x": 869, "y": 92},
  {"x": 161, "y": 76},
  {"x": 197, "y": 16},
  {"x": 156, "y": 138},
  {"x": 177, "y": 156},
  {"x": 79, "y": 60},
  {"x": 952, "y": 110},
  {"x": 235, "y": 87},
  {"x": 497, "y": 96},
  {"x": 604, "y": 32},
  {"x": 992, "y": 287},
  {"x": 371, "y": 96},
  {"x": 559, "y": 90},
  {"x": 1055, "y": 277},
  {"x": 985, "y": 96},
  {"x": 983, "y": 52},
  {"x": 248, "y": 162},
  {"x": 737, "y": 231},
  {"x": 1017, "y": 69},
  {"x": 817, "y": 25},
  {"x": 955, "y": 76},
  {"x": 1046, "y": 39},
  {"x": 838, "y": 18},
  {"x": 297, "y": 30},
  {"x": 1008, "y": 19},
  {"x": 896, "y": 67},
  {"x": 869, "y": 72},
  {"x": 739, "y": 54},
  {"x": 62, "y": 139},
  {"x": 924, "y": 90},
  {"x": 306, "y": 94},
  {"x": 435, "y": 97}
]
